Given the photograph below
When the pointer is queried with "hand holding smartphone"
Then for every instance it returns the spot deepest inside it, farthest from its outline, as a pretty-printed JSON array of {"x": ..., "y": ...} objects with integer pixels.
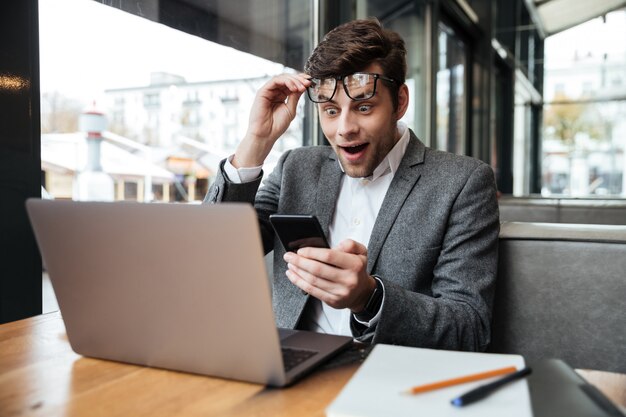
[{"x": 296, "y": 231}]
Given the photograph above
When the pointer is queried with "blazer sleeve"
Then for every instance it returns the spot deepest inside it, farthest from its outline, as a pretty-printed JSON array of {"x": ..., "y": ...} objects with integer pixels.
[
  {"x": 456, "y": 314},
  {"x": 265, "y": 200},
  {"x": 224, "y": 190}
]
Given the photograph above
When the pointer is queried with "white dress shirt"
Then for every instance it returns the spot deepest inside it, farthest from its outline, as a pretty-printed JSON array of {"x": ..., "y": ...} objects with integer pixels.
[{"x": 357, "y": 208}]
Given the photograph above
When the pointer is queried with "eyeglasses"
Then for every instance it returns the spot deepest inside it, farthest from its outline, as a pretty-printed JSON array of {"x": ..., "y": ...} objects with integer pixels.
[{"x": 358, "y": 86}]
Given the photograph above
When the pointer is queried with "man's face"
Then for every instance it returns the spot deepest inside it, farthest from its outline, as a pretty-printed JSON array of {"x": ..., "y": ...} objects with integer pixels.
[{"x": 362, "y": 132}]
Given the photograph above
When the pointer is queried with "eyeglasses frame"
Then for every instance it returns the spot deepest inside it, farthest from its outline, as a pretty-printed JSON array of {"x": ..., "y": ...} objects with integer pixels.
[{"x": 345, "y": 88}]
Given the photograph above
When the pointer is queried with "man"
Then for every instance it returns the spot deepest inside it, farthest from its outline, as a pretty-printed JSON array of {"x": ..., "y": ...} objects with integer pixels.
[{"x": 413, "y": 231}]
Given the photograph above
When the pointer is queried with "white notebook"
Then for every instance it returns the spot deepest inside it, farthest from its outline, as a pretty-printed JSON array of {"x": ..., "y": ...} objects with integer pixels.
[{"x": 377, "y": 388}]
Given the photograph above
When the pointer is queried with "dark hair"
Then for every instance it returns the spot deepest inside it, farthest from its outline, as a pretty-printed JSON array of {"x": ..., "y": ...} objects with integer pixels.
[{"x": 352, "y": 46}]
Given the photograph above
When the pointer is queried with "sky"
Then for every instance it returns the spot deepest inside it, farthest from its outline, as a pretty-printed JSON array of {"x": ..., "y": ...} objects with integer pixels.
[{"x": 87, "y": 47}]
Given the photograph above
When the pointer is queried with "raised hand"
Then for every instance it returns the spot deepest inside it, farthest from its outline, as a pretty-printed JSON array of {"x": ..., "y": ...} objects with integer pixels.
[{"x": 273, "y": 109}]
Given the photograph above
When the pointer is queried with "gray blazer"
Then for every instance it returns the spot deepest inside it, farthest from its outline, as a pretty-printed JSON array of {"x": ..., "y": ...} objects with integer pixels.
[{"x": 434, "y": 243}]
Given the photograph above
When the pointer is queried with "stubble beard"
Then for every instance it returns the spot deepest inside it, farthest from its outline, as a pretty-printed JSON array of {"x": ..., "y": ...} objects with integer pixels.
[{"x": 378, "y": 152}]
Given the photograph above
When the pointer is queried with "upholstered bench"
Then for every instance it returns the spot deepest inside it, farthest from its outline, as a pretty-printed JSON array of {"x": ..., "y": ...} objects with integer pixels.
[
  {"x": 561, "y": 293},
  {"x": 563, "y": 210}
]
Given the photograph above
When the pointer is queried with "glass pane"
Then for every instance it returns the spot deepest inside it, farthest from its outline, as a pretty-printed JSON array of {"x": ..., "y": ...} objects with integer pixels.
[
  {"x": 451, "y": 92},
  {"x": 411, "y": 26},
  {"x": 521, "y": 139},
  {"x": 584, "y": 122},
  {"x": 139, "y": 110},
  {"x": 583, "y": 149},
  {"x": 407, "y": 18}
]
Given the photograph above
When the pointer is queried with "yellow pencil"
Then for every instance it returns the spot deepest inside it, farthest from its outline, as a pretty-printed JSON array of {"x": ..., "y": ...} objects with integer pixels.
[{"x": 460, "y": 380}]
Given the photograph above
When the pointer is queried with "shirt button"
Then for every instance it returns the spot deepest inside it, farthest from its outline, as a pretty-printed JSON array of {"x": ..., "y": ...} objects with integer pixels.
[{"x": 356, "y": 221}]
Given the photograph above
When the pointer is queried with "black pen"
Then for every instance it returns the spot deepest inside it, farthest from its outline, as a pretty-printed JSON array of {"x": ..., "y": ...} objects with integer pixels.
[{"x": 487, "y": 389}]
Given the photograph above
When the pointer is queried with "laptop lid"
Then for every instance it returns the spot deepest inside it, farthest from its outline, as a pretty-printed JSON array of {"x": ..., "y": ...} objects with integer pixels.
[
  {"x": 174, "y": 286},
  {"x": 556, "y": 390}
]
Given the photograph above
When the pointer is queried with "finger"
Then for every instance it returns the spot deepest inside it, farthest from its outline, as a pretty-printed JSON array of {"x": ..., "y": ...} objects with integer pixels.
[
  {"x": 302, "y": 81},
  {"x": 276, "y": 93},
  {"x": 313, "y": 280},
  {"x": 288, "y": 82},
  {"x": 352, "y": 246},
  {"x": 313, "y": 266},
  {"x": 306, "y": 287},
  {"x": 292, "y": 104},
  {"x": 333, "y": 257},
  {"x": 286, "y": 92},
  {"x": 306, "y": 78},
  {"x": 297, "y": 84}
]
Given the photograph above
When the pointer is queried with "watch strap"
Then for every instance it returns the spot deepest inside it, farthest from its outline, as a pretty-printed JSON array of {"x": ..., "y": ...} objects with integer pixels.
[{"x": 373, "y": 303}]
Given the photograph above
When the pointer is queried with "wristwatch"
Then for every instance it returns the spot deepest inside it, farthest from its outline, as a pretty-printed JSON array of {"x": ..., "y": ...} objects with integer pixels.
[{"x": 373, "y": 304}]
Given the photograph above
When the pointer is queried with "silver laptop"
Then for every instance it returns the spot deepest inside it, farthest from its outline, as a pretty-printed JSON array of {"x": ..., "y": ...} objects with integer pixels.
[{"x": 181, "y": 287}]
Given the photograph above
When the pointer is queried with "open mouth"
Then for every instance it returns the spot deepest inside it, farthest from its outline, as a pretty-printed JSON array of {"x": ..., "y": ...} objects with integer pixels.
[{"x": 354, "y": 149}]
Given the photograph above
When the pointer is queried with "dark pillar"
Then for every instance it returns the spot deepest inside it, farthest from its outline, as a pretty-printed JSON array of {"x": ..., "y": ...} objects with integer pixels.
[{"x": 20, "y": 159}]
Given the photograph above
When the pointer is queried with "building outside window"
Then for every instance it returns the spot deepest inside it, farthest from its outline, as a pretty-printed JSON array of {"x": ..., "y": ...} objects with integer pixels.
[
  {"x": 176, "y": 101},
  {"x": 584, "y": 131}
]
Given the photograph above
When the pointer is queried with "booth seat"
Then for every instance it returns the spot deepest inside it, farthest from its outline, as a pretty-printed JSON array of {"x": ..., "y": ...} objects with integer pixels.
[
  {"x": 561, "y": 293},
  {"x": 563, "y": 210}
]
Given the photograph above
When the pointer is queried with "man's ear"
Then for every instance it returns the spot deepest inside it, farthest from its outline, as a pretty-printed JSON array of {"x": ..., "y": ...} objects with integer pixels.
[{"x": 403, "y": 101}]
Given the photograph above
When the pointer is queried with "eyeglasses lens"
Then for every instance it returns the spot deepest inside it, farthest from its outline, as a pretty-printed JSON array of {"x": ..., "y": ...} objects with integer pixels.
[
  {"x": 360, "y": 86},
  {"x": 322, "y": 90}
]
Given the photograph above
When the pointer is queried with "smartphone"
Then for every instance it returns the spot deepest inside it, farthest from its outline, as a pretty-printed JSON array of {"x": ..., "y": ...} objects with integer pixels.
[{"x": 296, "y": 231}]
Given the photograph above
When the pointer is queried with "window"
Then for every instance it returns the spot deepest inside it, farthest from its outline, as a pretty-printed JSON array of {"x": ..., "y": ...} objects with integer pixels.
[
  {"x": 151, "y": 100},
  {"x": 584, "y": 129},
  {"x": 172, "y": 94},
  {"x": 559, "y": 88},
  {"x": 451, "y": 93},
  {"x": 408, "y": 19}
]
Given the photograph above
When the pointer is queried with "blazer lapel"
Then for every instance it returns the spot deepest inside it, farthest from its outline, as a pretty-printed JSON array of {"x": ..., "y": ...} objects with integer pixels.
[
  {"x": 329, "y": 183},
  {"x": 403, "y": 182}
]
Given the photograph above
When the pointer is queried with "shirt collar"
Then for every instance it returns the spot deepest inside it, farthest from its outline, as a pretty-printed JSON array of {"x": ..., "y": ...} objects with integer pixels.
[{"x": 392, "y": 161}]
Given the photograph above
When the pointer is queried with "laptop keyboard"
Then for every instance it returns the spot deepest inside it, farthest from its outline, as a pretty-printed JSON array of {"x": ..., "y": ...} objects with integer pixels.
[{"x": 293, "y": 357}]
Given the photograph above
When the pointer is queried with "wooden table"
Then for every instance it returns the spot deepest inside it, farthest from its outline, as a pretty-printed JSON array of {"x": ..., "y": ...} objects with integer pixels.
[{"x": 41, "y": 376}]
